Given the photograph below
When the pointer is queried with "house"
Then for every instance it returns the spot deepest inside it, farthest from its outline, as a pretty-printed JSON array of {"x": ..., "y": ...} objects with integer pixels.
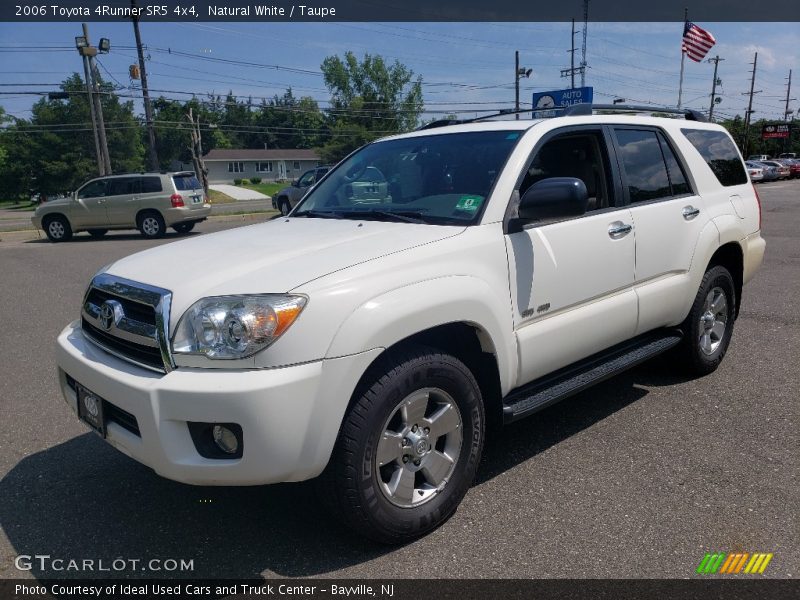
[{"x": 225, "y": 164}]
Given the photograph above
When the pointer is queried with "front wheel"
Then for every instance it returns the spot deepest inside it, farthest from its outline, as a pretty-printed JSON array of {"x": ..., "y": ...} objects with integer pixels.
[
  {"x": 709, "y": 326},
  {"x": 58, "y": 229},
  {"x": 408, "y": 449},
  {"x": 283, "y": 205}
]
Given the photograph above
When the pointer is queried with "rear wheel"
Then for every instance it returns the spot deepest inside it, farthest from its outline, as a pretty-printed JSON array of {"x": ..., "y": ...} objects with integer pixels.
[
  {"x": 151, "y": 225},
  {"x": 408, "y": 448},
  {"x": 709, "y": 326},
  {"x": 183, "y": 227},
  {"x": 58, "y": 229},
  {"x": 97, "y": 233}
]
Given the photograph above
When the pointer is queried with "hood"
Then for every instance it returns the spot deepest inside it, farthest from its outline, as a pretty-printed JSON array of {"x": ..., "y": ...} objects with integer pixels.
[
  {"x": 66, "y": 200},
  {"x": 272, "y": 257}
]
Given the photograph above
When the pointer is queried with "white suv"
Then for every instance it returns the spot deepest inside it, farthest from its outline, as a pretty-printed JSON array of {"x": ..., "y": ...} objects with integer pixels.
[{"x": 369, "y": 337}]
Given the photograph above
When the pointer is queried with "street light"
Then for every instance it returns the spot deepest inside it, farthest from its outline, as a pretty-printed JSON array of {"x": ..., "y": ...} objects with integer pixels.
[
  {"x": 81, "y": 42},
  {"x": 104, "y": 47}
]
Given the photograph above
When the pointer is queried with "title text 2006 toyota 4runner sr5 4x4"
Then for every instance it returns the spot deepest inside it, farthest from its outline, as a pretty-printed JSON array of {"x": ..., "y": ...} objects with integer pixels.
[{"x": 431, "y": 283}]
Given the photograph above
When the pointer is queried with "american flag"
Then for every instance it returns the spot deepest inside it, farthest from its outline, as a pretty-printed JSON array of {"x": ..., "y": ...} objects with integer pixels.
[{"x": 696, "y": 41}]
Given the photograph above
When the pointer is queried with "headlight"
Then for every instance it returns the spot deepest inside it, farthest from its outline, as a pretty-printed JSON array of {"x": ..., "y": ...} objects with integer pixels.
[{"x": 229, "y": 327}]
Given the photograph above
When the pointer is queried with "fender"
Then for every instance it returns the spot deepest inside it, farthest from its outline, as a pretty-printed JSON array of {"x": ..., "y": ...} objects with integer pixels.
[{"x": 402, "y": 312}]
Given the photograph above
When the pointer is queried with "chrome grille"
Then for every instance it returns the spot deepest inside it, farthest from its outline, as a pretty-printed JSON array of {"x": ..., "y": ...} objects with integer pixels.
[{"x": 129, "y": 320}]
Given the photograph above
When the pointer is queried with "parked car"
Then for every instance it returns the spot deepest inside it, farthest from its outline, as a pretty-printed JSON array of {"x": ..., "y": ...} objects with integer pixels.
[
  {"x": 368, "y": 338},
  {"x": 788, "y": 155},
  {"x": 758, "y": 157},
  {"x": 783, "y": 170},
  {"x": 149, "y": 202},
  {"x": 286, "y": 199},
  {"x": 755, "y": 171},
  {"x": 793, "y": 164},
  {"x": 770, "y": 173}
]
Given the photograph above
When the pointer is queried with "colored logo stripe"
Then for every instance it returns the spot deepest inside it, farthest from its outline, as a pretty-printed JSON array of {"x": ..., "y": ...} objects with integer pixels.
[{"x": 734, "y": 563}]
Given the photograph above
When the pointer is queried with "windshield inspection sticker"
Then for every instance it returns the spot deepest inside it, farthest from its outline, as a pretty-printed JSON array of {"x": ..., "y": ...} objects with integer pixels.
[{"x": 469, "y": 203}]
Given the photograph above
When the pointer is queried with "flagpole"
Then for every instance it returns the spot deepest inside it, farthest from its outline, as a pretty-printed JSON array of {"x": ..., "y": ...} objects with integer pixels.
[{"x": 683, "y": 55}]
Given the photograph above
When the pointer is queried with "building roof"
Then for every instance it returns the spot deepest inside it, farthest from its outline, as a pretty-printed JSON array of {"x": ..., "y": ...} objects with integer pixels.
[{"x": 271, "y": 154}]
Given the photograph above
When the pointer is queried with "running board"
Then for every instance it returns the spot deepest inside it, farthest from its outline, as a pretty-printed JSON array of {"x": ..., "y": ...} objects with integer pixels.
[{"x": 543, "y": 392}]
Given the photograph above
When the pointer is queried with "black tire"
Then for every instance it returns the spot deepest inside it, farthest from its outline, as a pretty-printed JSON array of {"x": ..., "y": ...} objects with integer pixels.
[
  {"x": 97, "y": 233},
  {"x": 355, "y": 486},
  {"x": 57, "y": 228},
  {"x": 703, "y": 347},
  {"x": 183, "y": 227},
  {"x": 151, "y": 225},
  {"x": 284, "y": 206}
]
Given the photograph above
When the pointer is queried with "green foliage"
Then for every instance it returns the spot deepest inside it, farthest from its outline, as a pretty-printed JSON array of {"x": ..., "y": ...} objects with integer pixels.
[
  {"x": 255, "y": 180},
  {"x": 369, "y": 99},
  {"x": 238, "y": 181}
]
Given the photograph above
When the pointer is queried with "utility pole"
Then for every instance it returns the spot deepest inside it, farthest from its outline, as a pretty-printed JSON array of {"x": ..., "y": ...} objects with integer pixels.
[
  {"x": 583, "y": 53},
  {"x": 196, "y": 148},
  {"x": 148, "y": 107},
  {"x": 518, "y": 72},
  {"x": 101, "y": 165},
  {"x": 98, "y": 106},
  {"x": 786, "y": 111},
  {"x": 715, "y": 60},
  {"x": 749, "y": 106},
  {"x": 572, "y": 69}
]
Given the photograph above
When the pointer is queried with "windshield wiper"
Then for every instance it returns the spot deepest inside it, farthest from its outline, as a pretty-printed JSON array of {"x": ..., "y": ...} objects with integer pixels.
[
  {"x": 404, "y": 216},
  {"x": 322, "y": 214}
]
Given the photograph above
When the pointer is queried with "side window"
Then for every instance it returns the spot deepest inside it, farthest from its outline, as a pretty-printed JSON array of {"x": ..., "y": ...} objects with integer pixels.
[
  {"x": 307, "y": 179},
  {"x": 718, "y": 150},
  {"x": 677, "y": 177},
  {"x": 645, "y": 169},
  {"x": 580, "y": 155},
  {"x": 121, "y": 186},
  {"x": 93, "y": 189},
  {"x": 151, "y": 185}
]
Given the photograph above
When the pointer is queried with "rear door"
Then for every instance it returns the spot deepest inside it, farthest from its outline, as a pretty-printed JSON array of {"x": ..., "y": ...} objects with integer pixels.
[
  {"x": 668, "y": 216},
  {"x": 571, "y": 280},
  {"x": 188, "y": 187},
  {"x": 123, "y": 194}
]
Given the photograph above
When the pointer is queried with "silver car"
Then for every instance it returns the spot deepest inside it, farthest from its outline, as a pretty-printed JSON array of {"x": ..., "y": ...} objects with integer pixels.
[{"x": 149, "y": 202}]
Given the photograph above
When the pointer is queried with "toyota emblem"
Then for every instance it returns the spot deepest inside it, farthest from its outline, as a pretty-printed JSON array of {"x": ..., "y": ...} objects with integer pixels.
[
  {"x": 110, "y": 314},
  {"x": 90, "y": 402}
]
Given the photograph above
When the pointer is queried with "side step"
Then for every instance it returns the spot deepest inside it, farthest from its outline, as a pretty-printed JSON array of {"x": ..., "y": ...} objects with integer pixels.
[{"x": 543, "y": 392}]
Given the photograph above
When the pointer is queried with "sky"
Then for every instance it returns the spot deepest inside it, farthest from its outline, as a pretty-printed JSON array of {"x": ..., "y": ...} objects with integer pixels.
[{"x": 465, "y": 67}]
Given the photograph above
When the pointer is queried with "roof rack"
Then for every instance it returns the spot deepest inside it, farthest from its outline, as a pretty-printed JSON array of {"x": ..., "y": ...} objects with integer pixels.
[
  {"x": 576, "y": 110},
  {"x": 580, "y": 110}
]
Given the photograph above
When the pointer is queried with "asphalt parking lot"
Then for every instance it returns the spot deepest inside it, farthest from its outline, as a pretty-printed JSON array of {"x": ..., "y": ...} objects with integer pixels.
[{"x": 639, "y": 477}]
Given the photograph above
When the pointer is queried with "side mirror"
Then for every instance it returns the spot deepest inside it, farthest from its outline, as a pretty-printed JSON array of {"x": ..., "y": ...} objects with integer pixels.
[
  {"x": 554, "y": 198},
  {"x": 296, "y": 183}
]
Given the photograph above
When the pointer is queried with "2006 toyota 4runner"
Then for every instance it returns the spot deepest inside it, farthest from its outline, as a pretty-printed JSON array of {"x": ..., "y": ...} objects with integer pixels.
[{"x": 430, "y": 284}]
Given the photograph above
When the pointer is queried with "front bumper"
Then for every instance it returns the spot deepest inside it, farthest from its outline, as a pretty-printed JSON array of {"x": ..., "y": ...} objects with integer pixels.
[{"x": 289, "y": 416}]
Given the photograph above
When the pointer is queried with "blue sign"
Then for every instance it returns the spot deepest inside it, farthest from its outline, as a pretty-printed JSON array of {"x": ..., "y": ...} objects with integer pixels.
[{"x": 542, "y": 101}]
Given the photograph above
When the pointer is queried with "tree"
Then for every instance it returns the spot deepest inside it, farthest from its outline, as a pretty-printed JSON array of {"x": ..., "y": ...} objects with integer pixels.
[{"x": 368, "y": 99}]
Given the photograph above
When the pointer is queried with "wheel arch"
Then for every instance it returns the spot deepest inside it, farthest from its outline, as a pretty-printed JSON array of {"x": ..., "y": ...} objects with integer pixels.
[
  {"x": 731, "y": 256},
  {"x": 140, "y": 214}
]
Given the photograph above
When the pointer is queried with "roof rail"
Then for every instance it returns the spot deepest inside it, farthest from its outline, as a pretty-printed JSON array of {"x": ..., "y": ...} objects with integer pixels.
[{"x": 580, "y": 110}]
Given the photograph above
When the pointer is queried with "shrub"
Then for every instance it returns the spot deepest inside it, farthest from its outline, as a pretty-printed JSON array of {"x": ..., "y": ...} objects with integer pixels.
[
  {"x": 237, "y": 182},
  {"x": 255, "y": 180}
]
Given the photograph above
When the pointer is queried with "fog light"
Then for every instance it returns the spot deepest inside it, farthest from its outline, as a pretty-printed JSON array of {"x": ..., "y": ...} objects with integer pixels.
[{"x": 225, "y": 439}]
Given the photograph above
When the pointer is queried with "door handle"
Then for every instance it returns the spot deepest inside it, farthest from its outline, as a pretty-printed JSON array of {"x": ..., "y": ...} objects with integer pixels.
[
  {"x": 618, "y": 229},
  {"x": 690, "y": 212}
]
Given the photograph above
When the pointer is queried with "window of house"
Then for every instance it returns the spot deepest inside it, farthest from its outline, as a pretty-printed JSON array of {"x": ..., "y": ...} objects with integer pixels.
[
  {"x": 264, "y": 167},
  {"x": 296, "y": 165},
  {"x": 235, "y": 167}
]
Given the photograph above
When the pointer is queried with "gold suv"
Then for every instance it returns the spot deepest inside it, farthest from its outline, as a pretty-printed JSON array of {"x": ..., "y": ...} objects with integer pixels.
[{"x": 149, "y": 202}]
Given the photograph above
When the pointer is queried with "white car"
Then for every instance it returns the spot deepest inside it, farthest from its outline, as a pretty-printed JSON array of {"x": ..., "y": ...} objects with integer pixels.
[{"x": 369, "y": 337}]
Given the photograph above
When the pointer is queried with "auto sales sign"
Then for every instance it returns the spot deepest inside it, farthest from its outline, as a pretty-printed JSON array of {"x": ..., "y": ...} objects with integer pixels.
[{"x": 769, "y": 132}]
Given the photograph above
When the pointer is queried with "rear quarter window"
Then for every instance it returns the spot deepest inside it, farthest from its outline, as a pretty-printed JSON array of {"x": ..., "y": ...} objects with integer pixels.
[{"x": 719, "y": 152}]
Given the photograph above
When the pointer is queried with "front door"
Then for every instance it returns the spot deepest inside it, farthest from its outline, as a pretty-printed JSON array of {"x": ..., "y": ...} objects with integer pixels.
[
  {"x": 571, "y": 280},
  {"x": 89, "y": 208}
]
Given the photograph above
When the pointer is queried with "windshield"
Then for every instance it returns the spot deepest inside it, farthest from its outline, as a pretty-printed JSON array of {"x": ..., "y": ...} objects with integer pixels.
[{"x": 441, "y": 179}]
